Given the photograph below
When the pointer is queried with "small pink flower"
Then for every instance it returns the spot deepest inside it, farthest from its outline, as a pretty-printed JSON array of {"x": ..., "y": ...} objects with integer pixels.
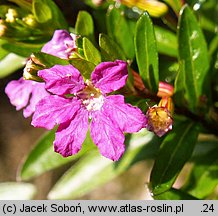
[
  {"x": 27, "y": 93},
  {"x": 62, "y": 44},
  {"x": 109, "y": 115}
]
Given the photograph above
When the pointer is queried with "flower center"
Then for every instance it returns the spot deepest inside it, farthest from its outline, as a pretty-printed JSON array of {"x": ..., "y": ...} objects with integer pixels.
[{"x": 92, "y": 97}]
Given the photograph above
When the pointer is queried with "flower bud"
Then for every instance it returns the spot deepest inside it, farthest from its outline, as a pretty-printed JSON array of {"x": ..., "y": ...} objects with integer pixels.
[
  {"x": 11, "y": 15},
  {"x": 33, "y": 65},
  {"x": 30, "y": 20},
  {"x": 159, "y": 120},
  {"x": 167, "y": 103},
  {"x": 165, "y": 90}
]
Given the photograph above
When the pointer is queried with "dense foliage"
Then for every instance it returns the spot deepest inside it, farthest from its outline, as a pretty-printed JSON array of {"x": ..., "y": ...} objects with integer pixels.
[{"x": 171, "y": 48}]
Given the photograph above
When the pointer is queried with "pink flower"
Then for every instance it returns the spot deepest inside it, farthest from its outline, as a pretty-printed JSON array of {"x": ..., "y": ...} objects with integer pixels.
[
  {"x": 27, "y": 93},
  {"x": 61, "y": 45},
  {"x": 109, "y": 115}
]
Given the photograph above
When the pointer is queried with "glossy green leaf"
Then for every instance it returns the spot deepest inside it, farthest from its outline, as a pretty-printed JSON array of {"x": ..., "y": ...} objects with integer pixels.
[
  {"x": 6, "y": 66},
  {"x": 110, "y": 50},
  {"x": 174, "y": 194},
  {"x": 49, "y": 60},
  {"x": 120, "y": 31},
  {"x": 84, "y": 25},
  {"x": 91, "y": 52},
  {"x": 166, "y": 41},
  {"x": 204, "y": 175},
  {"x": 41, "y": 11},
  {"x": 193, "y": 59},
  {"x": 43, "y": 158},
  {"x": 175, "y": 151},
  {"x": 146, "y": 52},
  {"x": 22, "y": 49},
  {"x": 17, "y": 191},
  {"x": 95, "y": 170},
  {"x": 85, "y": 67}
]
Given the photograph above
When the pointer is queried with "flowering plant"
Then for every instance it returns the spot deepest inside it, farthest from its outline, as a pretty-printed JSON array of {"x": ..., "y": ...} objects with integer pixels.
[{"x": 147, "y": 89}]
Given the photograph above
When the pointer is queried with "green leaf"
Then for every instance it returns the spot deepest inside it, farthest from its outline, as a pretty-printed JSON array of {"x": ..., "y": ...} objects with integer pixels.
[
  {"x": 17, "y": 191},
  {"x": 193, "y": 59},
  {"x": 174, "y": 194},
  {"x": 23, "y": 4},
  {"x": 169, "y": 70},
  {"x": 120, "y": 31},
  {"x": 84, "y": 25},
  {"x": 85, "y": 67},
  {"x": 146, "y": 52},
  {"x": 6, "y": 66},
  {"x": 204, "y": 175},
  {"x": 110, "y": 50},
  {"x": 166, "y": 41},
  {"x": 175, "y": 151},
  {"x": 47, "y": 12},
  {"x": 49, "y": 60},
  {"x": 22, "y": 49},
  {"x": 175, "y": 5},
  {"x": 43, "y": 158},
  {"x": 3, "y": 52},
  {"x": 41, "y": 11},
  {"x": 91, "y": 52},
  {"x": 95, "y": 170}
]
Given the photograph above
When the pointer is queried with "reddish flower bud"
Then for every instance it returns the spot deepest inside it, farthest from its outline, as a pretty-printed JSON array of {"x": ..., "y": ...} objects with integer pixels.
[{"x": 165, "y": 90}]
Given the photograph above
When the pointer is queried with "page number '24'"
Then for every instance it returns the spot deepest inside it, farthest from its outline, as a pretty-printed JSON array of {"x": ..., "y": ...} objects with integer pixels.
[{"x": 207, "y": 208}]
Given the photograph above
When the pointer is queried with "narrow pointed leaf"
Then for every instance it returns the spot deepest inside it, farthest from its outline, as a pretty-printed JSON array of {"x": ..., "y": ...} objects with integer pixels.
[
  {"x": 193, "y": 58},
  {"x": 174, "y": 194},
  {"x": 120, "y": 31},
  {"x": 17, "y": 191},
  {"x": 95, "y": 170},
  {"x": 22, "y": 49},
  {"x": 146, "y": 52},
  {"x": 175, "y": 151},
  {"x": 49, "y": 60},
  {"x": 110, "y": 50},
  {"x": 43, "y": 158},
  {"x": 84, "y": 25},
  {"x": 91, "y": 52}
]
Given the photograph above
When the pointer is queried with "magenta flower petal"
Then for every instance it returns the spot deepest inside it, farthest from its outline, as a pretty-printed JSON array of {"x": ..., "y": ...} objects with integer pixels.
[
  {"x": 61, "y": 80},
  {"x": 19, "y": 92},
  {"x": 25, "y": 94},
  {"x": 38, "y": 92},
  {"x": 61, "y": 44},
  {"x": 107, "y": 136},
  {"x": 110, "y": 76},
  {"x": 129, "y": 118},
  {"x": 70, "y": 135},
  {"x": 54, "y": 110}
]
